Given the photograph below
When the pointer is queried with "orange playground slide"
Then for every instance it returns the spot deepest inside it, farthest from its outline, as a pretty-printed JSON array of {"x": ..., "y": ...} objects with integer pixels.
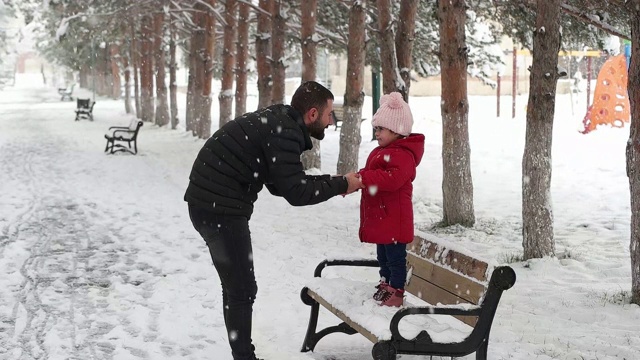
[{"x": 610, "y": 100}]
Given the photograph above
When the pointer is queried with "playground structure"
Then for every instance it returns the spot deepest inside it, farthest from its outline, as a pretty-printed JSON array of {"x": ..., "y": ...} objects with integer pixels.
[{"x": 610, "y": 100}]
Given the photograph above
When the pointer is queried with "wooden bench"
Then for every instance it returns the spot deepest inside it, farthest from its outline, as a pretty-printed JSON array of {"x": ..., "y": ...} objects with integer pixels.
[
  {"x": 84, "y": 109},
  {"x": 448, "y": 311},
  {"x": 338, "y": 115},
  {"x": 123, "y": 134},
  {"x": 66, "y": 93}
]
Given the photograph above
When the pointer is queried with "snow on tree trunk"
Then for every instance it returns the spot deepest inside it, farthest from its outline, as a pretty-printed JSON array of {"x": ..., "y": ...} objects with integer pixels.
[
  {"x": 135, "y": 59},
  {"x": 204, "y": 128},
  {"x": 146, "y": 68},
  {"x": 241, "y": 59},
  {"x": 633, "y": 150},
  {"x": 537, "y": 212},
  {"x": 114, "y": 52},
  {"x": 404, "y": 43},
  {"x": 263, "y": 54},
  {"x": 225, "y": 98},
  {"x": 354, "y": 96},
  {"x": 310, "y": 158},
  {"x": 162, "y": 108},
  {"x": 277, "y": 49},
  {"x": 457, "y": 185},
  {"x": 173, "y": 68},
  {"x": 388, "y": 58}
]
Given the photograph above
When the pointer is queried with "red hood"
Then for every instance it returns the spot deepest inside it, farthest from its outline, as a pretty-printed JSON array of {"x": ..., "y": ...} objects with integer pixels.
[{"x": 414, "y": 143}]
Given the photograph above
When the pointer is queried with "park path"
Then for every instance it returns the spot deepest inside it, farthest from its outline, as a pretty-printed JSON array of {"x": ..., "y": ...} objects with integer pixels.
[{"x": 81, "y": 251}]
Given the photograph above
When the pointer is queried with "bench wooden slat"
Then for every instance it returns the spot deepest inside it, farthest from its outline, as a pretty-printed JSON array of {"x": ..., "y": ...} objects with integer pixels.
[
  {"x": 463, "y": 289},
  {"x": 434, "y": 295},
  {"x": 371, "y": 337},
  {"x": 457, "y": 261}
]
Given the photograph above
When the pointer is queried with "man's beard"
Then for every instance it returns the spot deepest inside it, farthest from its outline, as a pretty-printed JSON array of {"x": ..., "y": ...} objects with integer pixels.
[{"x": 316, "y": 130}]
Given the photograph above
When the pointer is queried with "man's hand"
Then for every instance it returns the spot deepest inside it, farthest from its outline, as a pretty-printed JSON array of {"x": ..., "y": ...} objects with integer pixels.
[{"x": 355, "y": 182}]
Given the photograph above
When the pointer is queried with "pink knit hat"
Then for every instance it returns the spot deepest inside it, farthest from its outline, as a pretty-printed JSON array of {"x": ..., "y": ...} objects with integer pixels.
[{"x": 394, "y": 114}]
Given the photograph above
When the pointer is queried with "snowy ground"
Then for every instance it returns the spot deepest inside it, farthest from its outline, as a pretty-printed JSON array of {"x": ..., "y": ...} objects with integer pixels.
[{"x": 100, "y": 261}]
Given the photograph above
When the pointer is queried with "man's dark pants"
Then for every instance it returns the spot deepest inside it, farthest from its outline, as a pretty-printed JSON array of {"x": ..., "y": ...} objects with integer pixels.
[{"x": 229, "y": 242}]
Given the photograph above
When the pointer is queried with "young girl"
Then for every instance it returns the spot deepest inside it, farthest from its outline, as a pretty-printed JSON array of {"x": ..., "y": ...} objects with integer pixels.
[{"x": 386, "y": 208}]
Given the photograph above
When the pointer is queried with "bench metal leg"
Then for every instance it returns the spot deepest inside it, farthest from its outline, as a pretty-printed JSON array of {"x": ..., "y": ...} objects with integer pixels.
[
  {"x": 311, "y": 338},
  {"x": 481, "y": 353},
  {"x": 384, "y": 350}
]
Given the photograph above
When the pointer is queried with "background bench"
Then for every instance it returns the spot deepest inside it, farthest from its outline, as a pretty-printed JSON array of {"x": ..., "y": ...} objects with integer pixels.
[
  {"x": 117, "y": 136},
  {"x": 437, "y": 274},
  {"x": 84, "y": 109},
  {"x": 66, "y": 92},
  {"x": 338, "y": 114}
]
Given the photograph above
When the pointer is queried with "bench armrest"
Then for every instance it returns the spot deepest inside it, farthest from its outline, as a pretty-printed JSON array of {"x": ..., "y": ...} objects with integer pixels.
[
  {"x": 423, "y": 336},
  {"x": 119, "y": 127},
  {"x": 344, "y": 262},
  {"x": 123, "y": 131}
]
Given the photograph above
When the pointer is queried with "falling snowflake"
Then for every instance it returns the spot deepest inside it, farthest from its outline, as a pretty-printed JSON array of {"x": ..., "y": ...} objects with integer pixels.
[{"x": 373, "y": 189}]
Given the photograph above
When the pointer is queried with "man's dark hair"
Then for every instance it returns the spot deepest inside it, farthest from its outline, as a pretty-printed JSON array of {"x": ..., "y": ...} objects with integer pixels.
[{"x": 310, "y": 94}]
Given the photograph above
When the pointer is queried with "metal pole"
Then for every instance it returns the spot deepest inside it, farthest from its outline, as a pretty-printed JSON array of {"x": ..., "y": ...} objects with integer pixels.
[
  {"x": 375, "y": 87},
  {"x": 498, "y": 98},
  {"x": 588, "y": 81},
  {"x": 93, "y": 70},
  {"x": 514, "y": 76}
]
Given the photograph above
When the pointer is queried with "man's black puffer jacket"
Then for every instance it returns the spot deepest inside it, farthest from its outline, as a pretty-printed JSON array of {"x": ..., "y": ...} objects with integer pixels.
[{"x": 255, "y": 149}]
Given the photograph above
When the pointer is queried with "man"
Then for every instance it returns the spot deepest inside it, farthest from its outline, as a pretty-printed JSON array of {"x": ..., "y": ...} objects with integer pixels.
[{"x": 256, "y": 149}]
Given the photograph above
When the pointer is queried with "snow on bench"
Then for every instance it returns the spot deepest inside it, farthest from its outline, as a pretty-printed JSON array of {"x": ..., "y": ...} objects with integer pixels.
[{"x": 457, "y": 324}]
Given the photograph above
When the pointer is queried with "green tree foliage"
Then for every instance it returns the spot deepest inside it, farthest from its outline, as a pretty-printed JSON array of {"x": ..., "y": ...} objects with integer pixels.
[
  {"x": 7, "y": 34},
  {"x": 482, "y": 36},
  {"x": 580, "y": 21}
]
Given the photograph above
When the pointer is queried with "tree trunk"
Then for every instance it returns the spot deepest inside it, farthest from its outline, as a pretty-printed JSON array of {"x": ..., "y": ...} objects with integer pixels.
[
  {"x": 457, "y": 185},
  {"x": 204, "y": 130},
  {"x": 311, "y": 158},
  {"x": 135, "y": 59},
  {"x": 633, "y": 150},
  {"x": 404, "y": 44},
  {"x": 278, "y": 39},
  {"x": 173, "y": 68},
  {"x": 228, "y": 60},
  {"x": 196, "y": 77},
  {"x": 146, "y": 68},
  {"x": 101, "y": 72},
  {"x": 83, "y": 75},
  {"x": 193, "y": 70},
  {"x": 387, "y": 48},
  {"x": 114, "y": 51},
  {"x": 263, "y": 54},
  {"x": 127, "y": 83},
  {"x": 537, "y": 214},
  {"x": 162, "y": 107},
  {"x": 241, "y": 59},
  {"x": 354, "y": 97}
]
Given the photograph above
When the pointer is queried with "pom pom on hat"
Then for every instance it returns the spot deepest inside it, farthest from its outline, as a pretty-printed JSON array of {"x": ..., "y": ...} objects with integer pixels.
[{"x": 394, "y": 114}]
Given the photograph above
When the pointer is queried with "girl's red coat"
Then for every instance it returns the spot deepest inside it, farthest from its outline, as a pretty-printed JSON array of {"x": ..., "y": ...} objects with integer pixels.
[{"x": 386, "y": 207}]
